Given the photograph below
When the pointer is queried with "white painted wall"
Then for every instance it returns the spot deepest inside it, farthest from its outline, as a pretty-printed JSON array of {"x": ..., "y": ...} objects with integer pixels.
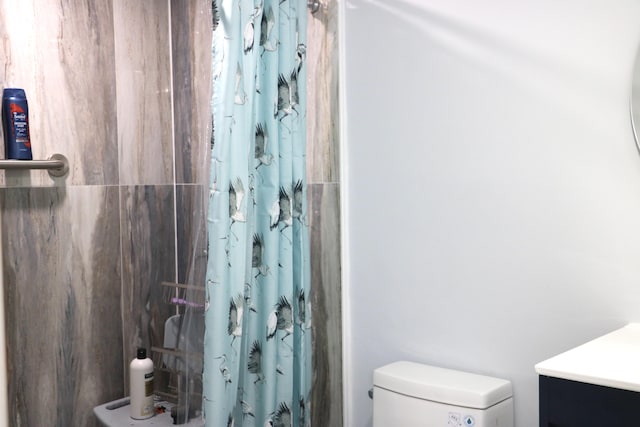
[{"x": 492, "y": 185}]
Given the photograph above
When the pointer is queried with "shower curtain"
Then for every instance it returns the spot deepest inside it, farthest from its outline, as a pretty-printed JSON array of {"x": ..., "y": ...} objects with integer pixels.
[{"x": 257, "y": 367}]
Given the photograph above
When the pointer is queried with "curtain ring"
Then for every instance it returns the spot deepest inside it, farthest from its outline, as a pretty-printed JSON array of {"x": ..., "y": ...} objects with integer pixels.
[{"x": 313, "y": 5}]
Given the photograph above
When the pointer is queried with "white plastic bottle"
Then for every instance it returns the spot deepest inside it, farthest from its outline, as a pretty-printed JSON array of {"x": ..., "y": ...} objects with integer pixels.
[{"x": 141, "y": 386}]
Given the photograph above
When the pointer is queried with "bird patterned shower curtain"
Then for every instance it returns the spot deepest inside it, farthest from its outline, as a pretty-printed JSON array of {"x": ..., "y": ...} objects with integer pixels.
[{"x": 257, "y": 367}]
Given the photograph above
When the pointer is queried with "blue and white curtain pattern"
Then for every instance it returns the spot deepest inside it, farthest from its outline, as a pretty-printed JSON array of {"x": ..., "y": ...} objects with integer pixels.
[{"x": 257, "y": 367}]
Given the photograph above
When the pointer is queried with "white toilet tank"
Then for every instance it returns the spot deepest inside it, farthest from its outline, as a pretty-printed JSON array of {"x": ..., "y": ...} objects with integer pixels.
[{"x": 410, "y": 394}]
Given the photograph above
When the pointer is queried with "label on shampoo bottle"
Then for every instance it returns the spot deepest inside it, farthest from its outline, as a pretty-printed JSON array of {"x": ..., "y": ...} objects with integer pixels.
[{"x": 148, "y": 385}]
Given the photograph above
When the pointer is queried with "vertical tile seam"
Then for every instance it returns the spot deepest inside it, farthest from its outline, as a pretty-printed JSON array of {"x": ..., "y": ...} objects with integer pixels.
[
  {"x": 173, "y": 142},
  {"x": 118, "y": 185}
]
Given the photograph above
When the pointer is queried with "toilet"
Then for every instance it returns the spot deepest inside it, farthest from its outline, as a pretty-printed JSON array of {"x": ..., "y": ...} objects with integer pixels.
[{"x": 411, "y": 394}]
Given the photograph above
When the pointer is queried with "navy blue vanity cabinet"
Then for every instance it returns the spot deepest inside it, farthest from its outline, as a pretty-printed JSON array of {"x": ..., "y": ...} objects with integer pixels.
[
  {"x": 596, "y": 384},
  {"x": 567, "y": 403}
]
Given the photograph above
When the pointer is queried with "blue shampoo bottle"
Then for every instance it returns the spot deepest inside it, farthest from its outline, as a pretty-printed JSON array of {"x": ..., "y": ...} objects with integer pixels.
[{"x": 15, "y": 122}]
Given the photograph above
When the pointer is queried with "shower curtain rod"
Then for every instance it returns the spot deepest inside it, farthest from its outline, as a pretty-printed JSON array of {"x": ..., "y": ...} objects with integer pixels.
[{"x": 313, "y": 5}]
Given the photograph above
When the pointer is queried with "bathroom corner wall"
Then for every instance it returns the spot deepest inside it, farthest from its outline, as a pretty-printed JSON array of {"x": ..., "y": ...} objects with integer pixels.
[
  {"x": 493, "y": 185},
  {"x": 84, "y": 256},
  {"x": 324, "y": 208},
  {"x": 191, "y": 44}
]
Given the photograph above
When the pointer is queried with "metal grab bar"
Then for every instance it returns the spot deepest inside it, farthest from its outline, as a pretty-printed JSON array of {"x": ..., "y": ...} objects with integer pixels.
[{"x": 57, "y": 165}]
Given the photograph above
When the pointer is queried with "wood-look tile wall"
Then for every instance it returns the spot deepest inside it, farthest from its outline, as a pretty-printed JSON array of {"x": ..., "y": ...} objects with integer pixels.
[
  {"x": 62, "y": 293},
  {"x": 84, "y": 255},
  {"x": 324, "y": 204}
]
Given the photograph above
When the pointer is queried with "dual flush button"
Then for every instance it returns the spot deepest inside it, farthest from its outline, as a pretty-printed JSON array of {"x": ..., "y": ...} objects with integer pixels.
[{"x": 457, "y": 420}]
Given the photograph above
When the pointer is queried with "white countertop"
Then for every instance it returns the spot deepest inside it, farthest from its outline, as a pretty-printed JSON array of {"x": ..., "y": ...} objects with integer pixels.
[{"x": 613, "y": 360}]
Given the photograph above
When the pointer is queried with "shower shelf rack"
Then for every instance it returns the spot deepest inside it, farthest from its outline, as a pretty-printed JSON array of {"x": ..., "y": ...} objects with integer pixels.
[
  {"x": 169, "y": 362},
  {"x": 173, "y": 380},
  {"x": 180, "y": 294},
  {"x": 57, "y": 165}
]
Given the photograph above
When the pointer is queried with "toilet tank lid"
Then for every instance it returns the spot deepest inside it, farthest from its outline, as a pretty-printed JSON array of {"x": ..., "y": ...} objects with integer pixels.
[{"x": 442, "y": 385}]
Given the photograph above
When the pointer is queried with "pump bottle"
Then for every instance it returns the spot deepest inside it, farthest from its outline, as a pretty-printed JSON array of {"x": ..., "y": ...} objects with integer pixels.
[{"x": 141, "y": 386}]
